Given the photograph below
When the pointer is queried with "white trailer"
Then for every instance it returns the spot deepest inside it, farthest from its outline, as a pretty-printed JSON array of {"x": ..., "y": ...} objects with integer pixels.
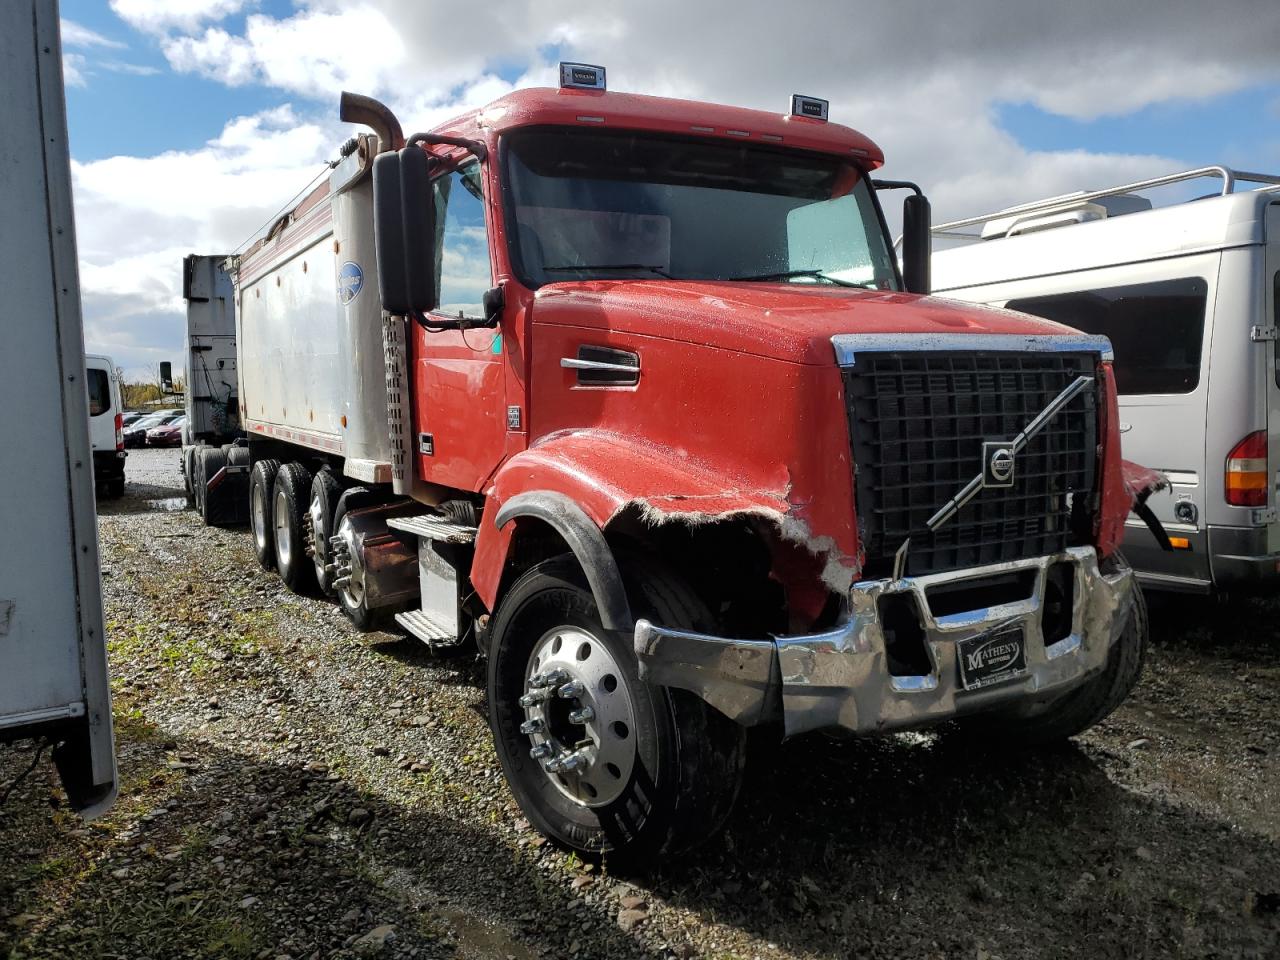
[{"x": 53, "y": 664}]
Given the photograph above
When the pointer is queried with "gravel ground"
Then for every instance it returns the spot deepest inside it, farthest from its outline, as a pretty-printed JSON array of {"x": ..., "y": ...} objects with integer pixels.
[{"x": 290, "y": 788}]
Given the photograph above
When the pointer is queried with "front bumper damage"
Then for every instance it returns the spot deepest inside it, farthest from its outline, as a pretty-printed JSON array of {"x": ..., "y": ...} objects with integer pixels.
[{"x": 840, "y": 680}]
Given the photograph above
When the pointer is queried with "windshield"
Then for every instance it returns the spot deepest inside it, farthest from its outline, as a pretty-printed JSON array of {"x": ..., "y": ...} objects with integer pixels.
[{"x": 609, "y": 205}]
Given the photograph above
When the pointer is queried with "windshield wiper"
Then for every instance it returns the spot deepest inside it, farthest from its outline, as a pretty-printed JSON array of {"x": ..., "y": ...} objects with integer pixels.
[
  {"x": 815, "y": 274},
  {"x": 610, "y": 266}
]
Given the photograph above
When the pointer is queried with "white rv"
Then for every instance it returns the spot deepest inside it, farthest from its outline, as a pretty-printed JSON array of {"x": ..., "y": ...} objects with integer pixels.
[
  {"x": 1187, "y": 295},
  {"x": 53, "y": 661}
]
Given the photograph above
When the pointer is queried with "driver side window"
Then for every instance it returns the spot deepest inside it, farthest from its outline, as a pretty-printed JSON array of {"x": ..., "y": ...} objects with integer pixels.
[{"x": 462, "y": 246}]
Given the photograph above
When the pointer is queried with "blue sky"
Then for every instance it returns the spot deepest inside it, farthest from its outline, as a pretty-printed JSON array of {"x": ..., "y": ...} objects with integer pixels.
[{"x": 191, "y": 121}]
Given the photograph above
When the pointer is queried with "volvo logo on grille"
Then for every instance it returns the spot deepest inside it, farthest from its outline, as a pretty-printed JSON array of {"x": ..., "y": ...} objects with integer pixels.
[{"x": 998, "y": 464}]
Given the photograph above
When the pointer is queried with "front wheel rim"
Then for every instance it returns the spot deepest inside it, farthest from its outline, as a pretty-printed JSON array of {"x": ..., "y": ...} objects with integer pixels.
[{"x": 579, "y": 716}]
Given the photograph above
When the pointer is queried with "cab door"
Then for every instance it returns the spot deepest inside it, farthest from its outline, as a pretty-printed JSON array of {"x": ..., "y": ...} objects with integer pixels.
[{"x": 460, "y": 423}]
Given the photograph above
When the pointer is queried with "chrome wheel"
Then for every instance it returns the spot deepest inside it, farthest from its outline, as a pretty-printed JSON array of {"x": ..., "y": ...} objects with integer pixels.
[
  {"x": 284, "y": 544},
  {"x": 578, "y": 716},
  {"x": 348, "y": 572},
  {"x": 259, "y": 512},
  {"x": 318, "y": 540}
]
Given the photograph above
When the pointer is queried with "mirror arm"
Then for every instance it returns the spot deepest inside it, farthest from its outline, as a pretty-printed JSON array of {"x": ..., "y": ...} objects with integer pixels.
[
  {"x": 471, "y": 146},
  {"x": 898, "y": 185}
]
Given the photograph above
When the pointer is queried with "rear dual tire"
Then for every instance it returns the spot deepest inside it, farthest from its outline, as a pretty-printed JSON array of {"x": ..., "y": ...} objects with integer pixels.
[
  {"x": 262, "y": 482},
  {"x": 289, "y": 502}
]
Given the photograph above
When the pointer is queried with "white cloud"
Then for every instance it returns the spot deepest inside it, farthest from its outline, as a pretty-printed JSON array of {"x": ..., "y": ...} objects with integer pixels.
[
  {"x": 77, "y": 35},
  {"x": 922, "y": 79},
  {"x": 158, "y": 16},
  {"x": 136, "y": 217},
  {"x": 133, "y": 69},
  {"x": 74, "y": 70}
]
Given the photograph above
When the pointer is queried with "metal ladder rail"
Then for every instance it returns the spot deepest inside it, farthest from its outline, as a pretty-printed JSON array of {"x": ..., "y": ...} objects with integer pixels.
[{"x": 1070, "y": 200}]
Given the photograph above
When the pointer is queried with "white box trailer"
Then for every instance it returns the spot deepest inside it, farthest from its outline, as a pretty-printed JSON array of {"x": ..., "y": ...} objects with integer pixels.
[{"x": 53, "y": 665}]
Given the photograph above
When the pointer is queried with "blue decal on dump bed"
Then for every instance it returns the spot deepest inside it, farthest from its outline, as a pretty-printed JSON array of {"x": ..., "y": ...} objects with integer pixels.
[{"x": 350, "y": 281}]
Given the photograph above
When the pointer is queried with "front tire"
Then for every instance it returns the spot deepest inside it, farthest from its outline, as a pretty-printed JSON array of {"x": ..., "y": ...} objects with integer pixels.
[
  {"x": 1087, "y": 705},
  {"x": 644, "y": 788},
  {"x": 288, "y": 510}
]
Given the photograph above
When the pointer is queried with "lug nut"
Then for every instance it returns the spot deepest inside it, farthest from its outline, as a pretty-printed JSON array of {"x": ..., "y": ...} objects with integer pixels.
[
  {"x": 572, "y": 762},
  {"x": 573, "y": 688},
  {"x": 551, "y": 678},
  {"x": 585, "y": 715},
  {"x": 531, "y": 726},
  {"x": 533, "y": 698},
  {"x": 541, "y": 751}
]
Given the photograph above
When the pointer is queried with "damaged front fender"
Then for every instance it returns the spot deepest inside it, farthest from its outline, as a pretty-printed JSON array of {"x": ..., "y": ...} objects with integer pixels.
[{"x": 606, "y": 475}]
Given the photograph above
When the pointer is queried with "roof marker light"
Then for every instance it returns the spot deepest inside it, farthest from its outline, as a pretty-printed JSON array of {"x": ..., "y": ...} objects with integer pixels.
[
  {"x": 771, "y": 136},
  {"x": 738, "y": 133},
  {"x": 581, "y": 76},
  {"x": 814, "y": 108},
  {"x": 697, "y": 129}
]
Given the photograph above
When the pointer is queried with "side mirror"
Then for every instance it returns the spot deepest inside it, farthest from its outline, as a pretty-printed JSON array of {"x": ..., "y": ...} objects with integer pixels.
[
  {"x": 917, "y": 243},
  {"x": 166, "y": 376},
  {"x": 404, "y": 231}
]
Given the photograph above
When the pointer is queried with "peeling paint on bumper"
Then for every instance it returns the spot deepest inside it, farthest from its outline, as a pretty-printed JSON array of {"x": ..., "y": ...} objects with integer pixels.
[{"x": 840, "y": 679}]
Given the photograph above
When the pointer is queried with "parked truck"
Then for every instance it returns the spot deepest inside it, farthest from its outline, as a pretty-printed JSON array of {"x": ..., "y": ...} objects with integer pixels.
[
  {"x": 1187, "y": 293},
  {"x": 632, "y": 393},
  {"x": 211, "y": 397},
  {"x": 53, "y": 665}
]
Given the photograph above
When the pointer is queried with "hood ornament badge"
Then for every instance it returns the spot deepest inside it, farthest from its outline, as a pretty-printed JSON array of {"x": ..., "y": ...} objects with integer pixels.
[{"x": 999, "y": 467}]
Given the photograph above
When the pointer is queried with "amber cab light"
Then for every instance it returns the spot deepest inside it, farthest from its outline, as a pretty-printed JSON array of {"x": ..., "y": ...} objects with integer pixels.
[
  {"x": 119, "y": 431},
  {"x": 1246, "y": 479}
]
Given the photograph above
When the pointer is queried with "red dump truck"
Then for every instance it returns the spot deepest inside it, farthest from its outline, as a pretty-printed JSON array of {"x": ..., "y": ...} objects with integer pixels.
[{"x": 633, "y": 394}]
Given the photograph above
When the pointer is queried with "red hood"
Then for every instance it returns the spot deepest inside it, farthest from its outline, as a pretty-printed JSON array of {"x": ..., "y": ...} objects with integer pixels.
[{"x": 787, "y": 321}]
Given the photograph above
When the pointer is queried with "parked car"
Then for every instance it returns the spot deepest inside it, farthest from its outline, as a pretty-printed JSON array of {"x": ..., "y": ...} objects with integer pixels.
[
  {"x": 136, "y": 435},
  {"x": 167, "y": 434},
  {"x": 129, "y": 419}
]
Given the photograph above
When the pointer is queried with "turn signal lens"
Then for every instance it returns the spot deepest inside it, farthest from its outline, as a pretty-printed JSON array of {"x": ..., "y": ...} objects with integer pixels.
[{"x": 1246, "y": 478}]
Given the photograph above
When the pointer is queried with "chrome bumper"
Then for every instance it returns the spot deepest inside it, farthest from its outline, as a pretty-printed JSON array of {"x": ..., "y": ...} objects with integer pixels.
[{"x": 840, "y": 679}]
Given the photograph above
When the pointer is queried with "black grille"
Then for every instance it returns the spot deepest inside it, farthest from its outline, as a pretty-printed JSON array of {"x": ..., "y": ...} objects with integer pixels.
[{"x": 917, "y": 422}]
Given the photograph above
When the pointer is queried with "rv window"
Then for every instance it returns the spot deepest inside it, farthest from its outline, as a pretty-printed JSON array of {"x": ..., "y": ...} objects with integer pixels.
[
  {"x": 1156, "y": 329},
  {"x": 99, "y": 384}
]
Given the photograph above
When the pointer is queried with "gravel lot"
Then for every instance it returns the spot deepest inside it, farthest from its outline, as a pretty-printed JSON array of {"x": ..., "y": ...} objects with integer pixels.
[{"x": 293, "y": 789}]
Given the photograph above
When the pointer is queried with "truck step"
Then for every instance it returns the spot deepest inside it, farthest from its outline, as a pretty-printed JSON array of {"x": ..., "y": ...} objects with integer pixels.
[
  {"x": 427, "y": 628},
  {"x": 431, "y": 526}
]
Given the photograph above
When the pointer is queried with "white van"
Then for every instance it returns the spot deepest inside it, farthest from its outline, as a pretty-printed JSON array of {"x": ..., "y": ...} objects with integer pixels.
[
  {"x": 1187, "y": 295},
  {"x": 106, "y": 425}
]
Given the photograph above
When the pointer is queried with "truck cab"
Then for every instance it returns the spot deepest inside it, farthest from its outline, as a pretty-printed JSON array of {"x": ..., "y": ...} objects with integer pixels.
[{"x": 632, "y": 393}]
